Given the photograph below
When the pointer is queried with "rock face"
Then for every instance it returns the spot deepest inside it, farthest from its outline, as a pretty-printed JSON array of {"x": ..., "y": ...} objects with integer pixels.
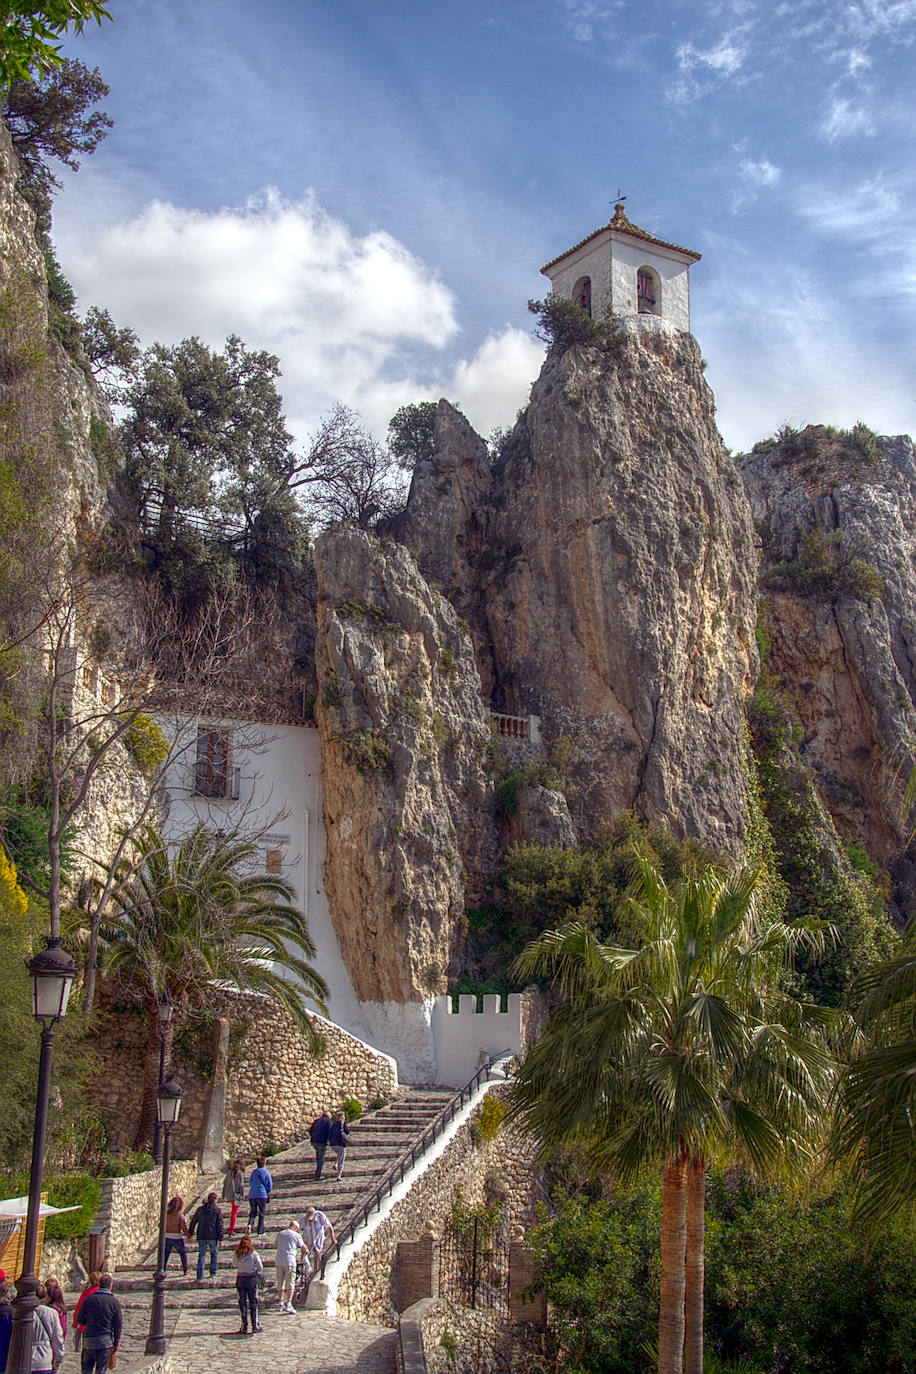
[
  {"x": 839, "y": 574},
  {"x": 404, "y": 741},
  {"x": 52, "y": 400},
  {"x": 608, "y": 568}
]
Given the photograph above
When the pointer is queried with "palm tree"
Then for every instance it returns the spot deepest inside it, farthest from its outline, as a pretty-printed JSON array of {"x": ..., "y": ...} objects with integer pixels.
[
  {"x": 188, "y": 916},
  {"x": 876, "y": 1123},
  {"x": 672, "y": 1048}
]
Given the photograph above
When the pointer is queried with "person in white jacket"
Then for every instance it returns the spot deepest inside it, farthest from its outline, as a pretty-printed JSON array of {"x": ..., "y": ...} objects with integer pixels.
[{"x": 47, "y": 1336}]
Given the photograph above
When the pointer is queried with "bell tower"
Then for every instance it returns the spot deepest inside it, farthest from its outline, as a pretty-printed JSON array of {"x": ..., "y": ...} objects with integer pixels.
[{"x": 623, "y": 270}]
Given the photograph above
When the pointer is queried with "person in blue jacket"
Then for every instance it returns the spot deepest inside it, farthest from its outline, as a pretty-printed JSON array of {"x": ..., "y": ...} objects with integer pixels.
[{"x": 260, "y": 1187}]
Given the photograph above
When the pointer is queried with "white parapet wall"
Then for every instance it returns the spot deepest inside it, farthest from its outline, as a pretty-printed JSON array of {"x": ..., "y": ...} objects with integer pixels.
[{"x": 466, "y": 1037}]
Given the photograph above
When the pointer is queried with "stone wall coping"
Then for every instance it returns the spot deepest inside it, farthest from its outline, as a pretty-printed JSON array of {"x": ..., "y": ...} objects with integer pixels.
[
  {"x": 370, "y": 1049},
  {"x": 322, "y": 1294},
  {"x": 411, "y": 1354}
]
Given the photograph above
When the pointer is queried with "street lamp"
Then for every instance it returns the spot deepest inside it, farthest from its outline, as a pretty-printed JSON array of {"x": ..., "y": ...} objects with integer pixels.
[
  {"x": 165, "y": 1010},
  {"x": 52, "y": 972},
  {"x": 168, "y": 1105}
]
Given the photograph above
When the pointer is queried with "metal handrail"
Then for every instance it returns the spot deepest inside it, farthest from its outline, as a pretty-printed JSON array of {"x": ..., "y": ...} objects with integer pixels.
[{"x": 410, "y": 1157}]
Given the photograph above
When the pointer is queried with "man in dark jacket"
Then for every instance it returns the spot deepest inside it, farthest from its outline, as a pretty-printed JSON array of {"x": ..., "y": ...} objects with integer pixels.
[
  {"x": 100, "y": 1319},
  {"x": 319, "y": 1132},
  {"x": 207, "y": 1221}
]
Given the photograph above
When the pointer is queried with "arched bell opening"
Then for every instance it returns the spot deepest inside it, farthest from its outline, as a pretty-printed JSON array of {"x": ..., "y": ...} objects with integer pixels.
[
  {"x": 648, "y": 292},
  {"x": 582, "y": 294}
]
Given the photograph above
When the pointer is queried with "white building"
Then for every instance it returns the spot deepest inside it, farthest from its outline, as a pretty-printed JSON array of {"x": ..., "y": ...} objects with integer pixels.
[
  {"x": 265, "y": 780},
  {"x": 624, "y": 271}
]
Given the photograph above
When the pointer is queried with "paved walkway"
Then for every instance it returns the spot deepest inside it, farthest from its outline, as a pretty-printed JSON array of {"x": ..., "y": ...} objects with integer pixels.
[{"x": 206, "y": 1342}]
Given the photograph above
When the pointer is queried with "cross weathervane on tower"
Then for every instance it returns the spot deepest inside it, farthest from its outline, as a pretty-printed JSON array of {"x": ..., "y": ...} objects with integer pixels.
[{"x": 621, "y": 197}]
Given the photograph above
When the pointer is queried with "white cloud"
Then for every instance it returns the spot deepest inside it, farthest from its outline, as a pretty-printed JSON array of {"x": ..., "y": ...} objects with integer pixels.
[
  {"x": 755, "y": 176},
  {"x": 335, "y": 306},
  {"x": 762, "y": 173},
  {"x": 585, "y": 17},
  {"x": 843, "y": 119},
  {"x": 699, "y": 67},
  {"x": 496, "y": 382},
  {"x": 869, "y": 212},
  {"x": 726, "y": 57},
  {"x": 342, "y": 311},
  {"x": 794, "y": 353}
]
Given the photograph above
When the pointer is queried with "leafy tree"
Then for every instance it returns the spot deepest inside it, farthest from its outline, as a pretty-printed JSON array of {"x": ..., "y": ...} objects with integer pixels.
[
  {"x": 53, "y": 120},
  {"x": 673, "y": 1048},
  {"x": 207, "y": 449},
  {"x": 114, "y": 354},
  {"x": 412, "y": 433},
  {"x": 199, "y": 913},
  {"x": 790, "y": 1286},
  {"x": 30, "y": 32},
  {"x": 540, "y": 887}
]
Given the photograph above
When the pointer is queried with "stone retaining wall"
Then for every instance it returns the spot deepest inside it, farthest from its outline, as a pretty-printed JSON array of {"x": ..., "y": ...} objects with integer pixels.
[
  {"x": 459, "y": 1340},
  {"x": 129, "y": 1210},
  {"x": 275, "y": 1087},
  {"x": 503, "y": 1166}
]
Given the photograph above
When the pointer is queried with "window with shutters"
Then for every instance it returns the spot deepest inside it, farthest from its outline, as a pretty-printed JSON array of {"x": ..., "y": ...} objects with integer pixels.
[{"x": 213, "y": 774}]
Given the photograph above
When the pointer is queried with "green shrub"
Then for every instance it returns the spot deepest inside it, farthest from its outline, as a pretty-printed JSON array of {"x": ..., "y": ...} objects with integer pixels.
[
  {"x": 127, "y": 1162},
  {"x": 83, "y": 1191},
  {"x": 789, "y": 1286},
  {"x": 491, "y": 1117},
  {"x": 270, "y": 1149},
  {"x": 369, "y": 751},
  {"x": 562, "y": 323},
  {"x": 352, "y": 1108},
  {"x": 147, "y": 745},
  {"x": 377, "y": 1104},
  {"x": 507, "y": 793}
]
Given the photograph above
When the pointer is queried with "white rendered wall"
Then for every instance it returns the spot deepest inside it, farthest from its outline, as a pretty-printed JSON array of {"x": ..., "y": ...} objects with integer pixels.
[
  {"x": 592, "y": 260},
  {"x": 281, "y": 801},
  {"x": 612, "y": 261},
  {"x": 464, "y": 1038},
  {"x": 626, "y": 258}
]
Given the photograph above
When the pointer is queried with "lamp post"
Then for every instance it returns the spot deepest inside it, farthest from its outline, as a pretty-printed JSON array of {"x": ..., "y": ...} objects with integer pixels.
[
  {"x": 52, "y": 972},
  {"x": 168, "y": 1104},
  {"x": 165, "y": 1011}
]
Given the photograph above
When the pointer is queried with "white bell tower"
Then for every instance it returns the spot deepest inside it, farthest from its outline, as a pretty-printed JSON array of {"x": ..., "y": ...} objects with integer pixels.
[{"x": 623, "y": 270}]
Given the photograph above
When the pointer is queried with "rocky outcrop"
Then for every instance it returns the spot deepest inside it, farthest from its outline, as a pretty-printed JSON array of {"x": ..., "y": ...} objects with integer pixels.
[
  {"x": 609, "y": 568},
  {"x": 404, "y": 745},
  {"x": 836, "y": 515},
  {"x": 51, "y": 399}
]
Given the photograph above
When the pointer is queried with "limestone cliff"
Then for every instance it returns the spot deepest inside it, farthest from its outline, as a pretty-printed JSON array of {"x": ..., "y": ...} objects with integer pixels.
[
  {"x": 836, "y": 515},
  {"x": 404, "y": 740},
  {"x": 50, "y": 397},
  {"x": 607, "y": 565}
]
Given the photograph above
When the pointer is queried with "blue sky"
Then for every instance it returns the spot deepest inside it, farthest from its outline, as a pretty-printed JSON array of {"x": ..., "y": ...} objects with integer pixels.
[{"x": 369, "y": 191}]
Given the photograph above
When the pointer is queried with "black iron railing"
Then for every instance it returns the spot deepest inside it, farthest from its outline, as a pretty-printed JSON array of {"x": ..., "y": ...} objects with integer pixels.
[{"x": 409, "y": 1158}]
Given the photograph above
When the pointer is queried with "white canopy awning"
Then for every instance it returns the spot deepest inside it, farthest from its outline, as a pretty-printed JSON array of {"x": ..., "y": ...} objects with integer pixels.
[{"x": 19, "y": 1207}]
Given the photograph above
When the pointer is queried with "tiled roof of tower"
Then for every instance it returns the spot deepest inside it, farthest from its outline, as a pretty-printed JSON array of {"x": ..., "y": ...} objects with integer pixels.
[{"x": 622, "y": 225}]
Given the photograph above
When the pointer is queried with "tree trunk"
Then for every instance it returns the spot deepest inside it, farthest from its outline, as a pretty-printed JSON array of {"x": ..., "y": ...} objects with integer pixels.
[
  {"x": 695, "y": 1266},
  {"x": 92, "y": 960},
  {"x": 674, "y": 1250},
  {"x": 146, "y": 1126}
]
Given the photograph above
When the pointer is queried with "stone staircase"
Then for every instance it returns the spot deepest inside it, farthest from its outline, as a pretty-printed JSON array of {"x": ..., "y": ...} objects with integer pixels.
[{"x": 377, "y": 1140}]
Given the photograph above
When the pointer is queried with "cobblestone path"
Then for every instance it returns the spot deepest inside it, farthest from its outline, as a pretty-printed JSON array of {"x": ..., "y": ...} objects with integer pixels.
[{"x": 206, "y": 1342}]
